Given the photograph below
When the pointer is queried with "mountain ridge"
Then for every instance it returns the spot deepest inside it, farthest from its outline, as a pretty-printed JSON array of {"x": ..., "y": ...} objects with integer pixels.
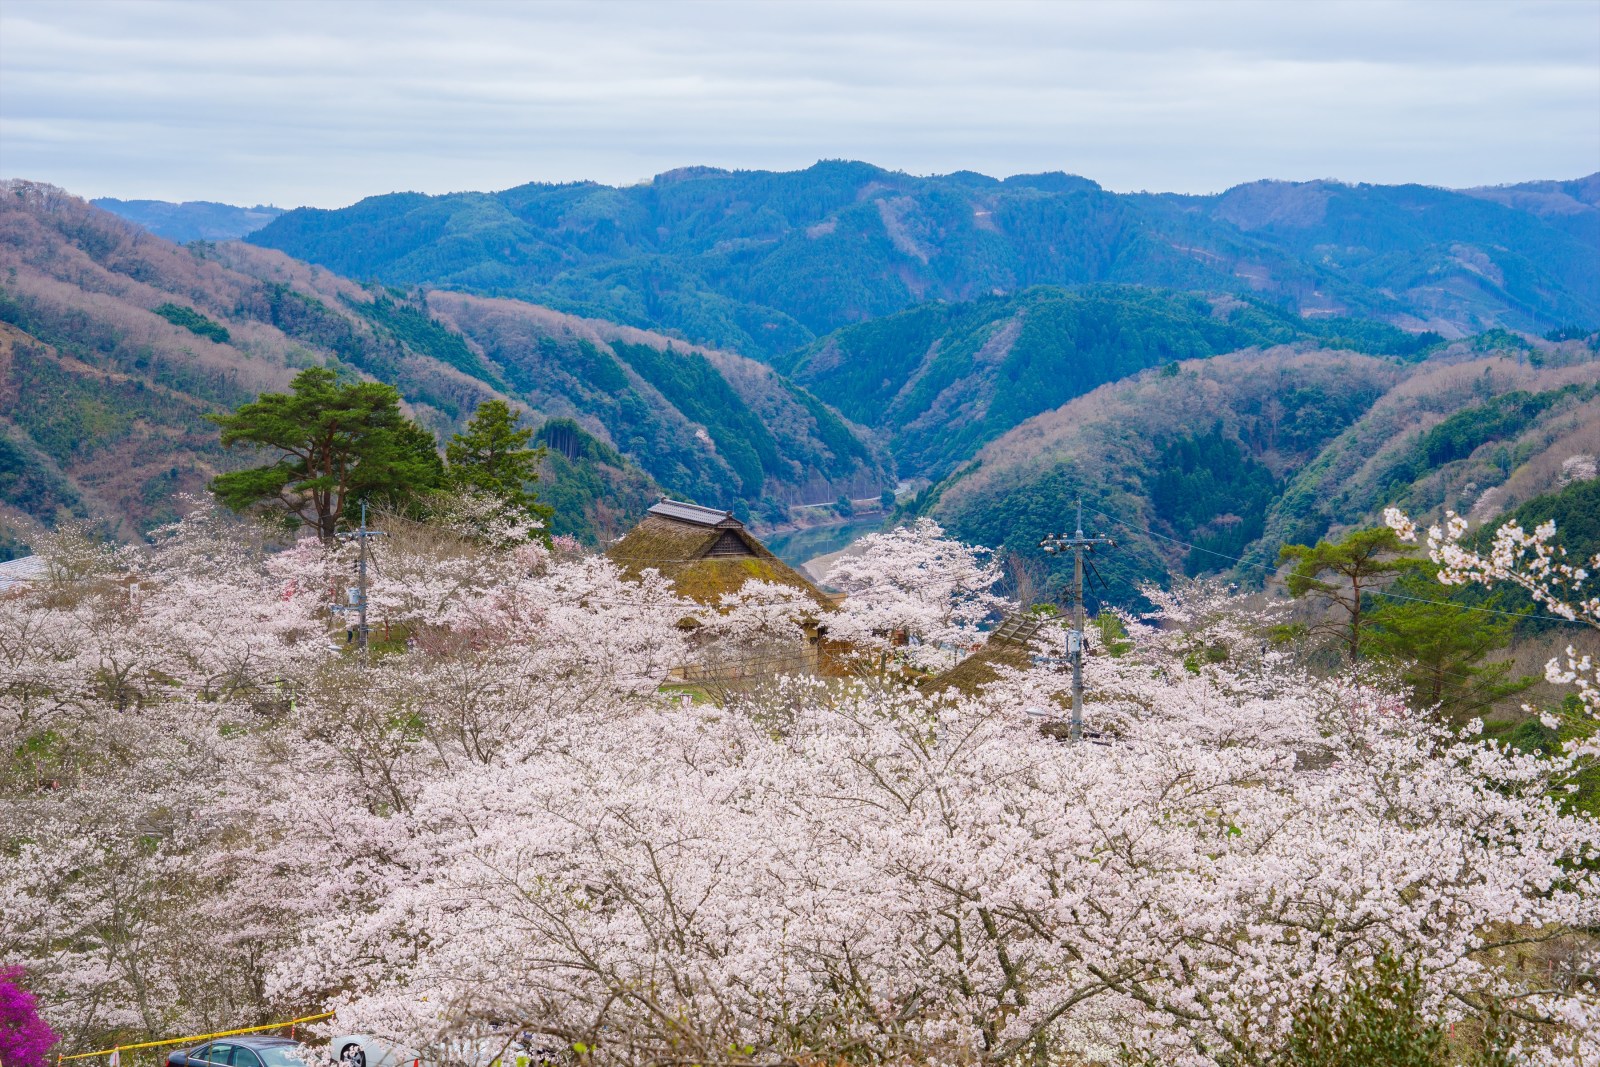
[
  {"x": 117, "y": 342},
  {"x": 940, "y": 380},
  {"x": 191, "y": 220},
  {"x": 763, "y": 262},
  {"x": 1240, "y": 453}
]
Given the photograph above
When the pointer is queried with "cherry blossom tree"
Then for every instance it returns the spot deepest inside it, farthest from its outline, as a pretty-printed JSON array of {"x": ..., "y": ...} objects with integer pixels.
[
  {"x": 866, "y": 869},
  {"x": 753, "y": 634},
  {"x": 915, "y": 594},
  {"x": 510, "y": 824},
  {"x": 1530, "y": 560}
]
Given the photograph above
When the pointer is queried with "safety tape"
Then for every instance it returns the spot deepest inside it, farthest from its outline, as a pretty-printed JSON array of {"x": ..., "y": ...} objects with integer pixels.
[{"x": 195, "y": 1037}]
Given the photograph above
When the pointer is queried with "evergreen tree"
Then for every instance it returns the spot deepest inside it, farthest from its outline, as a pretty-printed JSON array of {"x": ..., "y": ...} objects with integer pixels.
[
  {"x": 336, "y": 443},
  {"x": 1440, "y": 647},
  {"x": 1356, "y": 566},
  {"x": 1376, "y": 1021},
  {"x": 492, "y": 457}
]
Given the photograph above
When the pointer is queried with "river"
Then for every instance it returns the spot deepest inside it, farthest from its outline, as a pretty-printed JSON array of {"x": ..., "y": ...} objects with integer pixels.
[{"x": 795, "y": 547}]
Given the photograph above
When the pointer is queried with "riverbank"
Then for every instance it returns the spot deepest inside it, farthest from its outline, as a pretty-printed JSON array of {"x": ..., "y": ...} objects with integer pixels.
[{"x": 801, "y": 548}]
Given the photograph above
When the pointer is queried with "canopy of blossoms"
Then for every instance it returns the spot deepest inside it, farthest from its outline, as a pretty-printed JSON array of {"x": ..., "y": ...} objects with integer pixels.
[{"x": 508, "y": 818}]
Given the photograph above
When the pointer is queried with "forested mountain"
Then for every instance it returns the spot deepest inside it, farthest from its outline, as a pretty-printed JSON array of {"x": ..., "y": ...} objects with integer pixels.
[
  {"x": 1241, "y": 453},
  {"x": 117, "y": 342},
  {"x": 763, "y": 262},
  {"x": 114, "y": 344},
  {"x": 716, "y": 427},
  {"x": 192, "y": 220},
  {"x": 940, "y": 380}
]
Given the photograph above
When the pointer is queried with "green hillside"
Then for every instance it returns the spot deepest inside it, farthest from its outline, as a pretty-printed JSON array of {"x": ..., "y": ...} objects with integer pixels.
[
  {"x": 1575, "y": 509},
  {"x": 115, "y": 344},
  {"x": 1196, "y": 465},
  {"x": 941, "y": 380},
  {"x": 706, "y": 425},
  {"x": 1479, "y": 434},
  {"x": 762, "y": 262},
  {"x": 595, "y": 493}
]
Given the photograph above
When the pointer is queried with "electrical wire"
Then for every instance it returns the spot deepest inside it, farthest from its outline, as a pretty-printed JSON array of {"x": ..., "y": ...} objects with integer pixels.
[
  {"x": 1396, "y": 596},
  {"x": 745, "y": 666},
  {"x": 1269, "y": 571}
]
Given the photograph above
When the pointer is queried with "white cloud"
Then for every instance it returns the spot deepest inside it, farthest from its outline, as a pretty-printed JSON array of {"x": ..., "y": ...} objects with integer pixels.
[{"x": 323, "y": 103}]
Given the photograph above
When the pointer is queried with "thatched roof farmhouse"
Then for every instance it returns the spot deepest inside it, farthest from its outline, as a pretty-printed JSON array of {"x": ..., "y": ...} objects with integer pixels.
[{"x": 706, "y": 552}]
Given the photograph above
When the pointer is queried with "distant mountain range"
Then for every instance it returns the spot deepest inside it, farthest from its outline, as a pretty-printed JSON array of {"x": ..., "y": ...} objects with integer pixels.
[
  {"x": 1228, "y": 372},
  {"x": 193, "y": 220},
  {"x": 115, "y": 343},
  {"x": 763, "y": 262}
]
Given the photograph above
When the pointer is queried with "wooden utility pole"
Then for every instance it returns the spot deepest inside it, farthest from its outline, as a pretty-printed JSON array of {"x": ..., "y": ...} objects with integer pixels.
[{"x": 1079, "y": 544}]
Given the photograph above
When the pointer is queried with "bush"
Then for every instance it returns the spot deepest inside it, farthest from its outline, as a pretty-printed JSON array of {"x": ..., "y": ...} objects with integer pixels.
[
  {"x": 25, "y": 1039},
  {"x": 1376, "y": 1021}
]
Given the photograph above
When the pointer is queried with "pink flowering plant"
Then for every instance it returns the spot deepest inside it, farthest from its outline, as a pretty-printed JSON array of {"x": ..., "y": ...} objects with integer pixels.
[{"x": 26, "y": 1040}]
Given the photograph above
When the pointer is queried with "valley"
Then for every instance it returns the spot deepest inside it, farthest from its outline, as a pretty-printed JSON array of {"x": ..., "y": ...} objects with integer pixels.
[
  {"x": 1213, "y": 421},
  {"x": 117, "y": 343},
  {"x": 1208, "y": 466},
  {"x": 799, "y": 534}
]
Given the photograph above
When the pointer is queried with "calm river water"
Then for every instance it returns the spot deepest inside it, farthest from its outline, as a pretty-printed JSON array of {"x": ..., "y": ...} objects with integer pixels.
[{"x": 794, "y": 547}]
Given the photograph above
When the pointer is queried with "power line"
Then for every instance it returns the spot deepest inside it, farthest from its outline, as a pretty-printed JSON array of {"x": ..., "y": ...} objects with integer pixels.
[
  {"x": 1269, "y": 571},
  {"x": 1399, "y": 596}
]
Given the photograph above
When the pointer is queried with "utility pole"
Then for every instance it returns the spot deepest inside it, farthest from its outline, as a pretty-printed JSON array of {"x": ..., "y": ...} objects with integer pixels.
[
  {"x": 358, "y": 603},
  {"x": 1079, "y": 544}
]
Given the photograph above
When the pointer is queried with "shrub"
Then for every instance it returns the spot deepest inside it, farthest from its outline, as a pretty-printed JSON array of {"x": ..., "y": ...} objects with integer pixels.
[{"x": 25, "y": 1039}]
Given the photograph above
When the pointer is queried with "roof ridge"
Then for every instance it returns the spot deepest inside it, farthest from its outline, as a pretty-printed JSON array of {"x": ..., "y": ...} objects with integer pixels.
[{"x": 694, "y": 513}]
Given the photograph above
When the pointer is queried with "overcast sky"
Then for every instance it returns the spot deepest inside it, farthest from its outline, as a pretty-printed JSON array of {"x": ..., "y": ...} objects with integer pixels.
[{"x": 324, "y": 103}]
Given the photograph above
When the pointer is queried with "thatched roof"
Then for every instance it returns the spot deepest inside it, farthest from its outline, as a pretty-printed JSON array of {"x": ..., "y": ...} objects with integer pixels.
[
  {"x": 705, "y": 552},
  {"x": 1008, "y": 645}
]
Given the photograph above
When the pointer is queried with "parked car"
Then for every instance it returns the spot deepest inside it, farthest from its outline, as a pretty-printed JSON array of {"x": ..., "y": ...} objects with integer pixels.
[{"x": 240, "y": 1052}]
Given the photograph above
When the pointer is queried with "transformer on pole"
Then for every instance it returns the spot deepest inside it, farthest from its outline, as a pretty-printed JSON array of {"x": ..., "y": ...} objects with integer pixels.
[
  {"x": 1078, "y": 544},
  {"x": 358, "y": 596}
]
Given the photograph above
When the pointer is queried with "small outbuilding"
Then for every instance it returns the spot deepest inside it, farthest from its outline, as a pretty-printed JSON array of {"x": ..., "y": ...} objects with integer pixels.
[{"x": 707, "y": 553}]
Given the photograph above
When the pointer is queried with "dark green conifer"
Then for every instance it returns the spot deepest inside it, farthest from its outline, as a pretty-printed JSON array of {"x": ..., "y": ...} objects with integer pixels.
[
  {"x": 491, "y": 456},
  {"x": 336, "y": 443}
]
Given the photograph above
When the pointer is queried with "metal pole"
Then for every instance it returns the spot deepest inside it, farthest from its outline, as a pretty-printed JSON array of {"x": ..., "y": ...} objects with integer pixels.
[
  {"x": 1079, "y": 544},
  {"x": 358, "y": 595},
  {"x": 361, "y": 585},
  {"x": 1075, "y": 637}
]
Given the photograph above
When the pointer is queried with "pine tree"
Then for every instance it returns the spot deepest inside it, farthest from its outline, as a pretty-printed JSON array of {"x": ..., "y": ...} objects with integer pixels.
[
  {"x": 1356, "y": 566},
  {"x": 1440, "y": 647},
  {"x": 491, "y": 456},
  {"x": 336, "y": 443}
]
